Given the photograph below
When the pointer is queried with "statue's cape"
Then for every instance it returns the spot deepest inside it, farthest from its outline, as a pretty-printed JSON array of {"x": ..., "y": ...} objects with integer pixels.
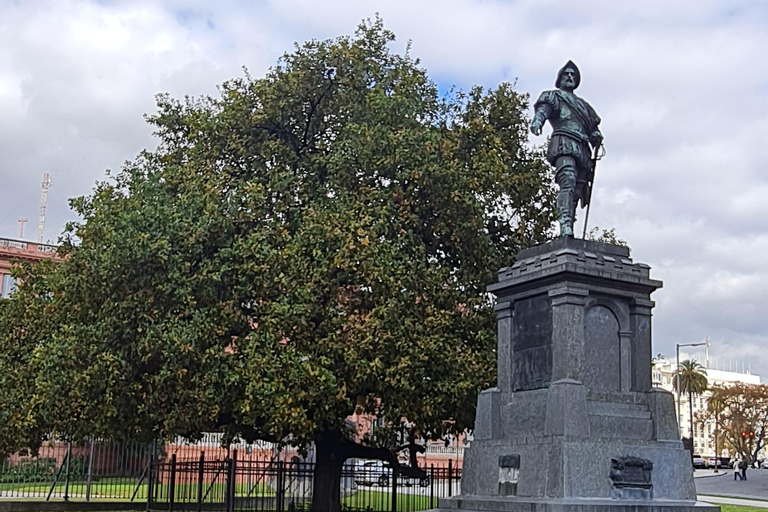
[{"x": 582, "y": 111}]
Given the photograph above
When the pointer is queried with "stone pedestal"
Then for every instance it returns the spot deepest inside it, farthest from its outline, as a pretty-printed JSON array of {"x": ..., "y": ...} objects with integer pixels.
[{"x": 575, "y": 423}]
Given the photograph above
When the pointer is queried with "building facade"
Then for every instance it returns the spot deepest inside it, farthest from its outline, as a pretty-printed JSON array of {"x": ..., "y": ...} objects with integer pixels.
[
  {"x": 703, "y": 435},
  {"x": 13, "y": 251}
]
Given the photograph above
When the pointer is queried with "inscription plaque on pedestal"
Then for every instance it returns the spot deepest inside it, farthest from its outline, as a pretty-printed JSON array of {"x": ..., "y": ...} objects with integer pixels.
[{"x": 532, "y": 345}]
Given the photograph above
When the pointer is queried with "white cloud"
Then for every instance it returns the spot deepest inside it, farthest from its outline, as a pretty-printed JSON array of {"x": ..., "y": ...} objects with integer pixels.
[{"x": 679, "y": 85}]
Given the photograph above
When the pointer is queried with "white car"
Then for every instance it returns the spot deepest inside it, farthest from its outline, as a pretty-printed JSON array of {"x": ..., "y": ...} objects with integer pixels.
[
  {"x": 699, "y": 462},
  {"x": 372, "y": 472}
]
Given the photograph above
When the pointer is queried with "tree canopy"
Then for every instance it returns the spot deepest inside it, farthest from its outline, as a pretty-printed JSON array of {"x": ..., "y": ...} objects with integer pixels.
[
  {"x": 310, "y": 244},
  {"x": 742, "y": 417}
]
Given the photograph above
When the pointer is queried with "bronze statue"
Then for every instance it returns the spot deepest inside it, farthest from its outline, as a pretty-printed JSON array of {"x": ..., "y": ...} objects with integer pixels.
[{"x": 575, "y": 129}]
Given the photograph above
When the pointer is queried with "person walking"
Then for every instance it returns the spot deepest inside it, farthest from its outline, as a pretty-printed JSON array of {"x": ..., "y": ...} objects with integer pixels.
[{"x": 743, "y": 468}]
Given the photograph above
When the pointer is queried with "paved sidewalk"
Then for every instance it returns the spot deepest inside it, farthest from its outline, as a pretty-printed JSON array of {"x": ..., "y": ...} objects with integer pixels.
[
  {"x": 706, "y": 473},
  {"x": 720, "y": 500}
]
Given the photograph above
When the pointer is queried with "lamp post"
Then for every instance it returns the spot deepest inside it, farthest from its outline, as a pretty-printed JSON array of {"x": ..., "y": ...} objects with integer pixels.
[{"x": 678, "y": 345}]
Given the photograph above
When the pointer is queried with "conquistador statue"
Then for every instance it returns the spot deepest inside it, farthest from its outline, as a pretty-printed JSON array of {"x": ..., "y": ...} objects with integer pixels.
[{"x": 575, "y": 129}]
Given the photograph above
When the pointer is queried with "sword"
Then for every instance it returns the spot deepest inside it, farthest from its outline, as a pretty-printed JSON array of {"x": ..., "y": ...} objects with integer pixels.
[{"x": 595, "y": 157}]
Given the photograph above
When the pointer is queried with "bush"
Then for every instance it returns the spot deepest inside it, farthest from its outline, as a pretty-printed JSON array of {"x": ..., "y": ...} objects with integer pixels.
[{"x": 29, "y": 470}]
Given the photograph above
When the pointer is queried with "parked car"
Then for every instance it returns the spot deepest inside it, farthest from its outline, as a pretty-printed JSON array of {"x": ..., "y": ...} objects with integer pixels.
[
  {"x": 421, "y": 482},
  {"x": 372, "y": 472},
  {"x": 699, "y": 462},
  {"x": 725, "y": 462},
  {"x": 376, "y": 472}
]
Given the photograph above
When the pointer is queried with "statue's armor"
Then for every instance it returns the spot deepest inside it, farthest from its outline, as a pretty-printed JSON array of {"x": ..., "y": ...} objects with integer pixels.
[
  {"x": 562, "y": 119},
  {"x": 574, "y": 123}
]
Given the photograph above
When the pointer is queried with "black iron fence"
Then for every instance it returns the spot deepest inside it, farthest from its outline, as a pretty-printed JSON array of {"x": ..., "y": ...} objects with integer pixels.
[
  {"x": 85, "y": 471},
  {"x": 262, "y": 485},
  {"x": 206, "y": 476},
  {"x": 103, "y": 469}
]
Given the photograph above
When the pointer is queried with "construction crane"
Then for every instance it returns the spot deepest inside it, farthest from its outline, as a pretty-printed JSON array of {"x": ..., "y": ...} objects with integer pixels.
[{"x": 43, "y": 202}]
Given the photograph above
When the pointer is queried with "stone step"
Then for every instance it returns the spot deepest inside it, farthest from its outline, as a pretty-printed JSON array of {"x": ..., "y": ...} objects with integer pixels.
[
  {"x": 521, "y": 504},
  {"x": 622, "y": 410},
  {"x": 620, "y": 427}
]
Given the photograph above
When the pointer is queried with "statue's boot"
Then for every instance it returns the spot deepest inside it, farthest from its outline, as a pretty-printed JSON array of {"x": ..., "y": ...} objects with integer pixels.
[{"x": 566, "y": 179}]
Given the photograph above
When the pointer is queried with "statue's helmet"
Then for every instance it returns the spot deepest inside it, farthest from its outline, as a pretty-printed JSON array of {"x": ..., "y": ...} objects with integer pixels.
[{"x": 573, "y": 66}]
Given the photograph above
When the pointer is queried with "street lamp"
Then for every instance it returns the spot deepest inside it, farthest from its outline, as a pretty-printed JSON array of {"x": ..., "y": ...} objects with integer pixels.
[{"x": 678, "y": 345}]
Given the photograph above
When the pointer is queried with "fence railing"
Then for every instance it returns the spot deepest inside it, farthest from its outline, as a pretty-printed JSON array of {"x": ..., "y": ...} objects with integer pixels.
[
  {"x": 203, "y": 476},
  {"x": 103, "y": 470},
  {"x": 261, "y": 485},
  {"x": 85, "y": 471}
]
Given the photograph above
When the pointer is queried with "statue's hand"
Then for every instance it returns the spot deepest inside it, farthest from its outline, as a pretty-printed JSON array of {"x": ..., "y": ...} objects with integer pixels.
[
  {"x": 596, "y": 138},
  {"x": 536, "y": 128}
]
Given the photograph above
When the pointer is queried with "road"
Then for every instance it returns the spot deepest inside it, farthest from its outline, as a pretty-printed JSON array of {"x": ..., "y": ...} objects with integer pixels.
[{"x": 755, "y": 487}]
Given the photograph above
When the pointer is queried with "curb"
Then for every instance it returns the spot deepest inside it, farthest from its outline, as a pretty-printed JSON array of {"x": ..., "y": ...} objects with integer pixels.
[
  {"x": 711, "y": 475},
  {"x": 733, "y": 500}
]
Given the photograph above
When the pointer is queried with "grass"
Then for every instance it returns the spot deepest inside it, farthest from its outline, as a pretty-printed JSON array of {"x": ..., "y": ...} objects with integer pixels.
[
  {"x": 382, "y": 500},
  {"x": 123, "y": 488},
  {"x": 112, "y": 487},
  {"x": 739, "y": 508}
]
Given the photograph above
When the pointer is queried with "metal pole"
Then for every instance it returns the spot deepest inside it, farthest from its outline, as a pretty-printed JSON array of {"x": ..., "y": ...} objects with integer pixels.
[
  {"x": 172, "y": 486},
  {"x": 231, "y": 477},
  {"x": 56, "y": 478},
  {"x": 147, "y": 469},
  {"x": 150, "y": 477},
  {"x": 66, "y": 475},
  {"x": 90, "y": 469},
  {"x": 432, "y": 487},
  {"x": 280, "y": 491},
  {"x": 717, "y": 456},
  {"x": 677, "y": 378},
  {"x": 707, "y": 353},
  {"x": 394, "y": 488},
  {"x": 200, "y": 482}
]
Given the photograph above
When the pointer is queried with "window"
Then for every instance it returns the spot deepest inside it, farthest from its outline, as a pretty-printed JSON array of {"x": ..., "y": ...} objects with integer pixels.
[{"x": 9, "y": 286}]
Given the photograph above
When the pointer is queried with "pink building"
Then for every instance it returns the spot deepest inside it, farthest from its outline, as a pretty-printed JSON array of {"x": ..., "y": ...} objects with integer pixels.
[{"x": 12, "y": 251}]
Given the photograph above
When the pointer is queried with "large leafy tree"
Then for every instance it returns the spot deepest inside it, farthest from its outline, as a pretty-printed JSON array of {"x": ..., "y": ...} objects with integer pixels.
[
  {"x": 310, "y": 244},
  {"x": 693, "y": 381},
  {"x": 743, "y": 417}
]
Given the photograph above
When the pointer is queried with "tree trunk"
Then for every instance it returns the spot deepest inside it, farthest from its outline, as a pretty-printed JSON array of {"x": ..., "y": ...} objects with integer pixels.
[
  {"x": 331, "y": 451},
  {"x": 329, "y": 462}
]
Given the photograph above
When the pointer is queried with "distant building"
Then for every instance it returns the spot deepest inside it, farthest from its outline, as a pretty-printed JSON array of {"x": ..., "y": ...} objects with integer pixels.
[
  {"x": 19, "y": 250},
  {"x": 704, "y": 440},
  {"x": 437, "y": 453}
]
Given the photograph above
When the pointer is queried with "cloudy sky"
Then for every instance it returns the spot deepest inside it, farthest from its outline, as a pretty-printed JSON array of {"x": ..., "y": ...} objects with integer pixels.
[{"x": 682, "y": 88}]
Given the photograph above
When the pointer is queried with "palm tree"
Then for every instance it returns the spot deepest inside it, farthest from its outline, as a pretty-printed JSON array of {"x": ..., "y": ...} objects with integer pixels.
[{"x": 693, "y": 381}]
